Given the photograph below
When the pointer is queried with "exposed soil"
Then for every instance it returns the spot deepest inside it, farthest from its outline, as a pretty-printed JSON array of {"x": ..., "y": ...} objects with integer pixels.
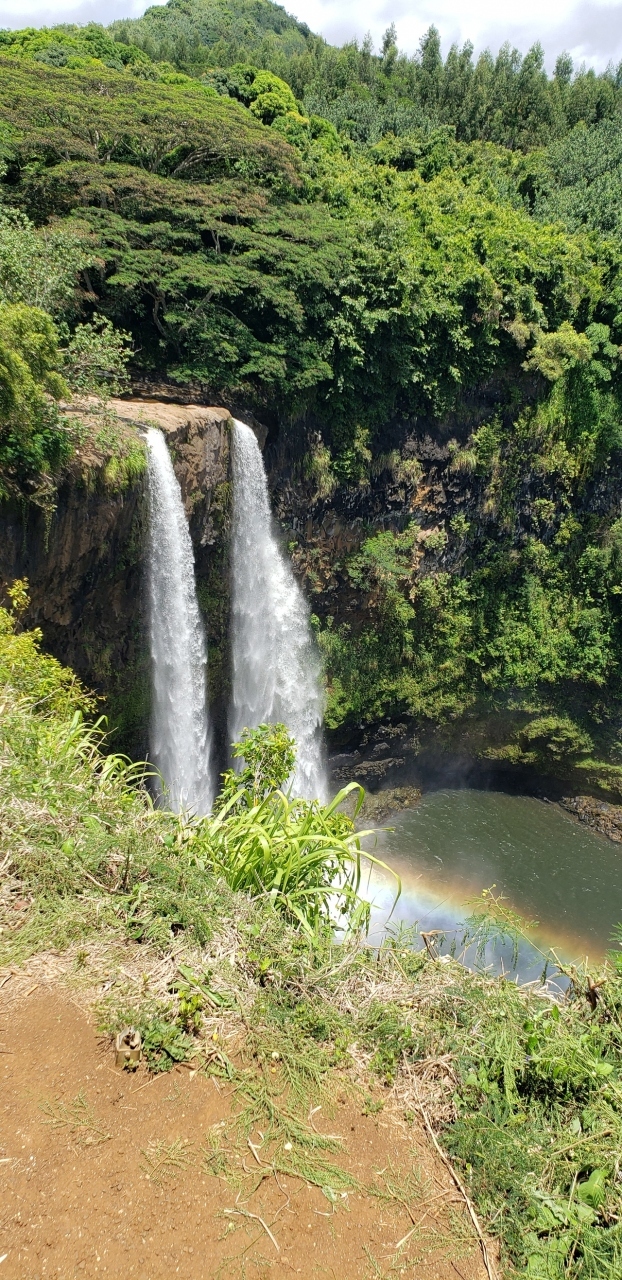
[{"x": 79, "y": 1198}]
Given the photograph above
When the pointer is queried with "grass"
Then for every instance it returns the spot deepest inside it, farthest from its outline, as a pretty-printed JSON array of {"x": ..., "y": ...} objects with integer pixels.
[
  {"x": 161, "y": 1160},
  {"x": 426, "y": 1240},
  {"x": 522, "y": 1087},
  {"x": 106, "y": 450},
  {"x": 77, "y": 1116}
]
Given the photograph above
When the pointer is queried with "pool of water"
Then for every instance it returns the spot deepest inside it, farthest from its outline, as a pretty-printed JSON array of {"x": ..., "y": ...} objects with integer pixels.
[{"x": 550, "y": 869}]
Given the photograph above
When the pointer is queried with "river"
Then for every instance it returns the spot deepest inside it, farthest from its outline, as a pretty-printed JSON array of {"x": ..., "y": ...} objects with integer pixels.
[{"x": 550, "y": 869}]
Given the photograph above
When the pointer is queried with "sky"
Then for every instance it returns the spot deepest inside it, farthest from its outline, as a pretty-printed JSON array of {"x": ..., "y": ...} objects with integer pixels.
[{"x": 591, "y": 30}]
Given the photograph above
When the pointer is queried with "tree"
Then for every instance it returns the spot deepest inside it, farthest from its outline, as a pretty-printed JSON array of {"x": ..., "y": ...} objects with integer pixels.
[
  {"x": 431, "y": 69},
  {"x": 41, "y": 267},
  {"x": 31, "y": 437},
  {"x": 96, "y": 357}
]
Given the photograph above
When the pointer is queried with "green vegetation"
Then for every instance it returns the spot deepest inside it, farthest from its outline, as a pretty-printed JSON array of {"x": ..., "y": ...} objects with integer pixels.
[
  {"x": 160, "y": 872},
  {"x": 42, "y": 359},
  {"x": 529, "y": 1100},
  {"x": 364, "y": 249},
  {"x": 369, "y": 245},
  {"x": 508, "y": 99},
  {"x": 303, "y": 856},
  {"x": 301, "y": 277},
  {"x": 73, "y": 46},
  {"x": 30, "y": 437},
  {"x": 522, "y": 613}
]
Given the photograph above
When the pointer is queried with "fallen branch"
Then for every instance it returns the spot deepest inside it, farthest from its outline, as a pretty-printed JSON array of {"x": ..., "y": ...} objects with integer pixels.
[
  {"x": 587, "y": 1137},
  {"x": 106, "y": 888},
  {"x": 492, "y": 1275},
  {"x": 418, "y": 1221},
  {"x": 253, "y": 1148},
  {"x": 429, "y": 939},
  {"x": 245, "y": 1213}
]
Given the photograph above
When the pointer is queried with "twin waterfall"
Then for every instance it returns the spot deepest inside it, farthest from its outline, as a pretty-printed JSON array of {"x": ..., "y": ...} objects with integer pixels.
[
  {"x": 180, "y": 737},
  {"x": 276, "y": 675},
  {"x": 275, "y": 669}
]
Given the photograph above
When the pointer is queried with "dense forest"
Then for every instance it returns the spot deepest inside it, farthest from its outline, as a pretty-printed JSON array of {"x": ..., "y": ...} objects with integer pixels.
[{"x": 350, "y": 244}]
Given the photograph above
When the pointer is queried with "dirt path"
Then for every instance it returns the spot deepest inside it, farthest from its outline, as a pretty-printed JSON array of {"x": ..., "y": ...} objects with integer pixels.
[{"x": 82, "y": 1193}]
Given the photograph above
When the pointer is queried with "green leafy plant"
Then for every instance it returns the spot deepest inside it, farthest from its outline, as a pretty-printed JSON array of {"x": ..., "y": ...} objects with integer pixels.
[
  {"x": 269, "y": 755},
  {"x": 96, "y": 357},
  {"x": 32, "y": 440},
  {"x": 40, "y": 267},
  {"x": 303, "y": 857}
]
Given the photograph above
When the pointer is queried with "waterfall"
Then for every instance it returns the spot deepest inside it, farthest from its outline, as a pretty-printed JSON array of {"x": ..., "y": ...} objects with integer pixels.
[
  {"x": 276, "y": 671},
  {"x": 180, "y": 737}
]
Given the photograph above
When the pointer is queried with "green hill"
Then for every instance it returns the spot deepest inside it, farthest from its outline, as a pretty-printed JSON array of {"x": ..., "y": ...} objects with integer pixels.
[
  {"x": 508, "y": 99},
  {"x": 196, "y": 34}
]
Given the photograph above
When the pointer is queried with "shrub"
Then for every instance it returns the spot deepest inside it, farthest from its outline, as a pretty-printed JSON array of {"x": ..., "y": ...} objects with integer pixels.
[{"x": 32, "y": 439}]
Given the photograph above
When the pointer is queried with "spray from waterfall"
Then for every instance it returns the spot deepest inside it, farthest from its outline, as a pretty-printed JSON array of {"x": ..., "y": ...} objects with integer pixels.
[
  {"x": 180, "y": 737},
  {"x": 276, "y": 671}
]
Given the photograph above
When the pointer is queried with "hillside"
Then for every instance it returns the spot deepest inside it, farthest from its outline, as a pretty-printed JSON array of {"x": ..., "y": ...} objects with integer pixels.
[
  {"x": 508, "y": 99},
  {"x": 360, "y": 300},
  {"x": 324, "y": 1068}
]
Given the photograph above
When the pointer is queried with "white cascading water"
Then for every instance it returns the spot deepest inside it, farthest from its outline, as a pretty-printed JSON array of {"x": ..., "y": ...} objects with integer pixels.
[
  {"x": 180, "y": 736},
  {"x": 276, "y": 671}
]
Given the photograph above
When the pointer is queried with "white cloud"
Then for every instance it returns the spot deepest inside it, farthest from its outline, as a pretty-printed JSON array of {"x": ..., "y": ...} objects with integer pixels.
[
  {"x": 45, "y": 13},
  {"x": 589, "y": 30}
]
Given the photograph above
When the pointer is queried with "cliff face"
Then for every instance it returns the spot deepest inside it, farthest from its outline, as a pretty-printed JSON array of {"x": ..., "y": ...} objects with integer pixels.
[
  {"x": 86, "y": 568},
  {"x": 85, "y": 562},
  {"x": 326, "y": 524},
  {"x": 549, "y": 738},
  {"x": 84, "y": 565}
]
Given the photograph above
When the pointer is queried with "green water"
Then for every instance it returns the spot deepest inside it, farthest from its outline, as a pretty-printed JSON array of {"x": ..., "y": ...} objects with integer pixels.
[{"x": 550, "y": 868}]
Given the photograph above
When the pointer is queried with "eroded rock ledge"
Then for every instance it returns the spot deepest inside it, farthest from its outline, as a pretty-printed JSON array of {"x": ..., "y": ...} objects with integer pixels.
[
  {"x": 598, "y": 814},
  {"x": 84, "y": 559}
]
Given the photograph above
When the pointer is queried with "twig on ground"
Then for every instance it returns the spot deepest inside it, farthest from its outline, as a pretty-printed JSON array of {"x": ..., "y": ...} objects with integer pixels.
[
  {"x": 492, "y": 1275},
  {"x": 105, "y": 887},
  {"x": 142, "y": 1086},
  {"x": 587, "y": 1137},
  {"x": 245, "y": 1213},
  {"x": 312, "y": 1112},
  {"x": 412, "y": 1217}
]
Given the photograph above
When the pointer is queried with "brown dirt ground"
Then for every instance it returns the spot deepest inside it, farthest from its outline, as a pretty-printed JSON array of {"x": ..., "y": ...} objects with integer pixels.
[{"x": 79, "y": 1202}]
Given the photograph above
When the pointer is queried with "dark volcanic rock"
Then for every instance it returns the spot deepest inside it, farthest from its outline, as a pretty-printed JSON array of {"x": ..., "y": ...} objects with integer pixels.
[{"x": 603, "y": 817}]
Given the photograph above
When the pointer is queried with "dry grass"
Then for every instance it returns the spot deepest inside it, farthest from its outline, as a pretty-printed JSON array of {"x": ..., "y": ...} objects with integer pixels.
[{"x": 113, "y": 971}]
